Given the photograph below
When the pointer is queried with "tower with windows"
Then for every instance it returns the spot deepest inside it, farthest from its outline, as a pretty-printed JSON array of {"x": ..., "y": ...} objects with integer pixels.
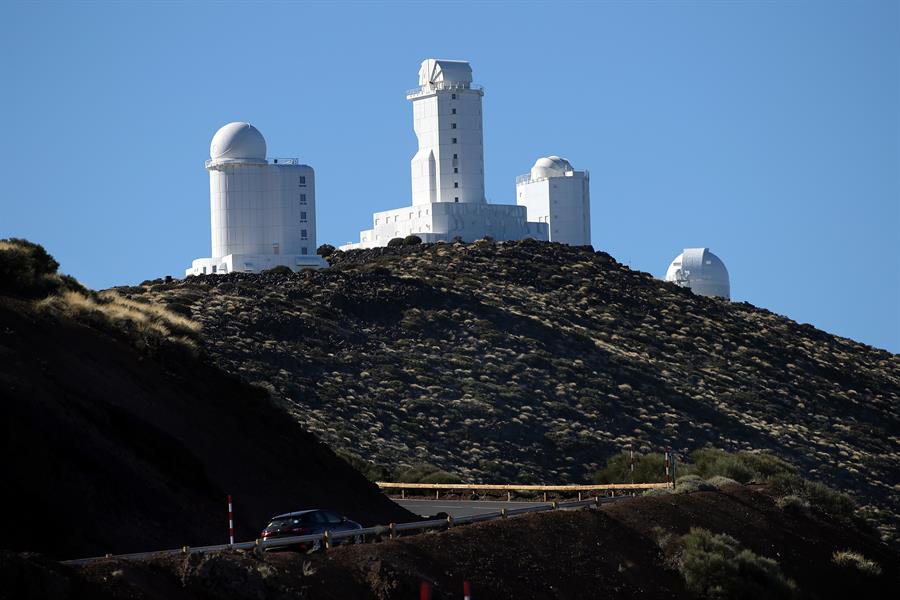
[
  {"x": 448, "y": 199},
  {"x": 449, "y": 165}
]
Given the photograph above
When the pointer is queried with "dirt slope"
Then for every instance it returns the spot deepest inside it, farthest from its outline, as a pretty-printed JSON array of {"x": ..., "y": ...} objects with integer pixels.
[
  {"x": 607, "y": 553},
  {"x": 535, "y": 362},
  {"x": 108, "y": 450}
]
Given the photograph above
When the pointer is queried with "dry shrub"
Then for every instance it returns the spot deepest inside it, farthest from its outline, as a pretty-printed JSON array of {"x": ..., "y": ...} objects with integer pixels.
[
  {"x": 148, "y": 326},
  {"x": 720, "y": 481},
  {"x": 854, "y": 560}
]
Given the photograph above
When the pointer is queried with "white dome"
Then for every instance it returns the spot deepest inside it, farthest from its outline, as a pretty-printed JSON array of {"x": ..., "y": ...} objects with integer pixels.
[
  {"x": 238, "y": 141},
  {"x": 701, "y": 271},
  {"x": 551, "y": 166}
]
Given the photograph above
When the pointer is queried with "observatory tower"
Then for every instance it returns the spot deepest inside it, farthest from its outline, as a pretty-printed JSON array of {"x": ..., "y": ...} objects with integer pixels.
[
  {"x": 263, "y": 214},
  {"x": 449, "y": 166},
  {"x": 557, "y": 194},
  {"x": 701, "y": 271},
  {"x": 448, "y": 169}
]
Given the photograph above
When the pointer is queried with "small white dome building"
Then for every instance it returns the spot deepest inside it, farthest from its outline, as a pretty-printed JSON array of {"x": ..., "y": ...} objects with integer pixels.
[
  {"x": 556, "y": 194},
  {"x": 701, "y": 271},
  {"x": 238, "y": 142}
]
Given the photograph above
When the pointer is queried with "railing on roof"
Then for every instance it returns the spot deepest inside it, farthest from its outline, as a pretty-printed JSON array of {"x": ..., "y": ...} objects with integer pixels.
[
  {"x": 526, "y": 178},
  {"x": 231, "y": 161},
  {"x": 429, "y": 88}
]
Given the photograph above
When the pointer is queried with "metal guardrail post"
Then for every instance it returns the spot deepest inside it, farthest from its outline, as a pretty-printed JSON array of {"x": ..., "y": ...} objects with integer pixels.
[
  {"x": 555, "y": 504},
  {"x": 393, "y": 530},
  {"x": 502, "y": 513},
  {"x": 449, "y": 521},
  {"x": 327, "y": 537},
  {"x": 185, "y": 549}
]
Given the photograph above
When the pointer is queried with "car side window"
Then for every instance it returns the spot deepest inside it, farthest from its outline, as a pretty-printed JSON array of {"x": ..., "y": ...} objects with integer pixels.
[
  {"x": 317, "y": 517},
  {"x": 333, "y": 518}
]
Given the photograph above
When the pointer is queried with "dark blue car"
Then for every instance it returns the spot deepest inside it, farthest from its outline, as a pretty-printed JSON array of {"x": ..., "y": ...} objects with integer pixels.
[{"x": 305, "y": 522}]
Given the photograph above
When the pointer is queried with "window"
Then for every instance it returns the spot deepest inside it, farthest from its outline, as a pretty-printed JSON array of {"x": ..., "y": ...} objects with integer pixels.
[
  {"x": 456, "y": 199},
  {"x": 456, "y": 184},
  {"x": 302, "y": 234},
  {"x": 214, "y": 269},
  {"x": 453, "y": 111},
  {"x": 303, "y": 251},
  {"x": 453, "y": 96},
  {"x": 302, "y": 180},
  {"x": 452, "y": 125},
  {"x": 302, "y": 215},
  {"x": 454, "y": 140},
  {"x": 302, "y": 198},
  {"x": 456, "y": 169},
  {"x": 376, "y": 221},
  {"x": 456, "y": 156}
]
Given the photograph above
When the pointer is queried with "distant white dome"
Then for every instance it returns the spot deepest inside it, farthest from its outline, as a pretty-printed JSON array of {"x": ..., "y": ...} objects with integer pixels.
[
  {"x": 701, "y": 271},
  {"x": 238, "y": 141},
  {"x": 551, "y": 166}
]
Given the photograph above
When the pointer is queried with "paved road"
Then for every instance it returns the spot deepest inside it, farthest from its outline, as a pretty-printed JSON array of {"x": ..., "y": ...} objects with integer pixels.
[{"x": 460, "y": 508}]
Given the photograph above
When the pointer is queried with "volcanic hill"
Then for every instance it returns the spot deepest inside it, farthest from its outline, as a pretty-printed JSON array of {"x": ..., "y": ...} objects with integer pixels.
[
  {"x": 535, "y": 362},
  {"x": 117, "y": 437}
]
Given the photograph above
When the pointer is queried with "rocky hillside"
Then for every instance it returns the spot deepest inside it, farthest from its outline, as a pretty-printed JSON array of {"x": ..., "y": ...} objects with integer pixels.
[
  {"x": 535, "y": 362},
  {"x": 117, "y": 438}
]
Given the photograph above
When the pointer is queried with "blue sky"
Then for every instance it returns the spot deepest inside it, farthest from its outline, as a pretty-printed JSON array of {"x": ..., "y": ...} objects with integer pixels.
[{"x": 767, "y": 131}]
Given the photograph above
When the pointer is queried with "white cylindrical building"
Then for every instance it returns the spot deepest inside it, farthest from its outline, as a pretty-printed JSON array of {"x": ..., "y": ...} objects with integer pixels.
[
  {"x": 262, "y": 213},
  {"x": 701, "y": 271}
]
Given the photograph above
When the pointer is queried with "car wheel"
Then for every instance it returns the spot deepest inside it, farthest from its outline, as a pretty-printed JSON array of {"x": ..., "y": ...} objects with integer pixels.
[{"x": 357, "y": 539}]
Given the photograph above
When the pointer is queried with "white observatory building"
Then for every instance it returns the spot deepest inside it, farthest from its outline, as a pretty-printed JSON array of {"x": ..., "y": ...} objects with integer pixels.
[
  {"x": 701, "y": 271},
  {"x": 448, "y": 170},
  {"x": 556, "y": 194},
  {"x": 263, "y": 213}
]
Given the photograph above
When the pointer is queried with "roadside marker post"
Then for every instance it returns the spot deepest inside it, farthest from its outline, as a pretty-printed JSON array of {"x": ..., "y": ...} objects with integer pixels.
[
  {"x": 230, "y": 523},
  {"x": 668, "y": 474},
  {"x": 467, "y": 591},
  {"x": 632, "y": 463},
  {"x": 425, "y": 591}
]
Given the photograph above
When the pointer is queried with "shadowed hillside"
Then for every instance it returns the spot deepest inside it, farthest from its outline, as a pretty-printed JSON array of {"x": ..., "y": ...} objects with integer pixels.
[
  {"x": 117, "y": 438},
  {"x": 535, "y": 362}
]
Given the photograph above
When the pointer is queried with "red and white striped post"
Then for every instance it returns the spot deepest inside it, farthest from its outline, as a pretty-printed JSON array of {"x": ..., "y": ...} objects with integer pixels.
[
  {"x": 467, "y": 591},
  {"x": 230, "y": 522},
  {"x": 425, "y": 591}
]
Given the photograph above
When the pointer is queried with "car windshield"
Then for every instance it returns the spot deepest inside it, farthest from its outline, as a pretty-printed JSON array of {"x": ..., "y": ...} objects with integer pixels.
[{"x": 288, "y": 522}]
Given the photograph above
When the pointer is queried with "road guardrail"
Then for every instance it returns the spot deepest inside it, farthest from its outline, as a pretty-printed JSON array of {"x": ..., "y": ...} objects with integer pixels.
[{"x": 328, "y": 539}]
